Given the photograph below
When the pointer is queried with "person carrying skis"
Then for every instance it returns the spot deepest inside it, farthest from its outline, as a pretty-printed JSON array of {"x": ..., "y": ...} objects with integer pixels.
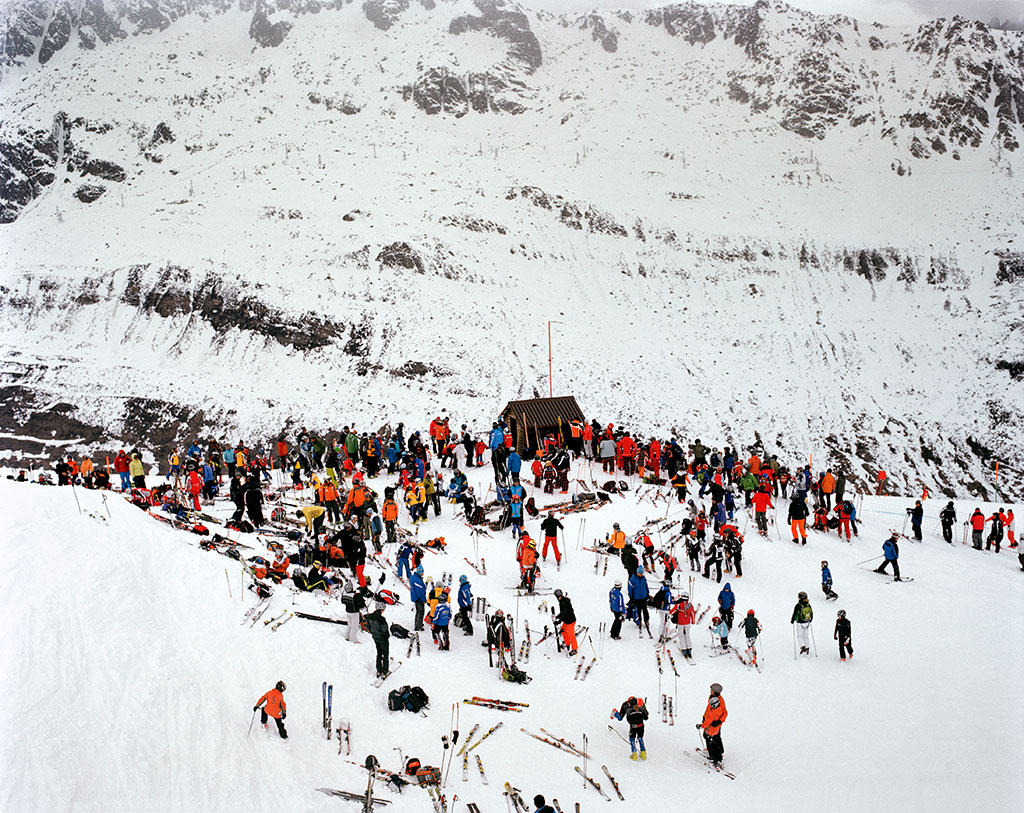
[
  {"x": 891, "y": 549},
  {"x": 377, "y": 626},
  {"x": 726, "y": 604},
  {"x": 802, "y": 616},
  {"x": 639, "y": 592},
  {"x": 711, "y": 725},
  {"x": 550, "y": 527},
  {"x": 844, "y": 634},
  {"x": 634, "y": 711},
  {"x": 916, "y": 515},
  {"x": 751, "y": 628},
  {"x": 567, "y": 618},
  {"x": 617, "y": 604},
  {"x": 826, "y": 582},
  {"x": 272, "y": 704},
  {"x": 684, "y": 615},
  {"x": 718, "y": 628}
]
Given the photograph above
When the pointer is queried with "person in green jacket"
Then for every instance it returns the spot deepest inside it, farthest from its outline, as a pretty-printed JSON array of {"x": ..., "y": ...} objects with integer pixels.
[
  {"x": 840, "y": 487},
  {"x": 748, "y": 482},
  {"x": 352, "y": 445}
]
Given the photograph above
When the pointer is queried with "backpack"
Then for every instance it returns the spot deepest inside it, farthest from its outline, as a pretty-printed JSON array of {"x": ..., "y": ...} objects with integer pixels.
[
  {"x": 514, "y": 674},
  {"x": 415, "y": 698},
  {"x": 395, "y": 702},
  {"x": 389, "y": 597},
  {"x": 398, "y": 631}
]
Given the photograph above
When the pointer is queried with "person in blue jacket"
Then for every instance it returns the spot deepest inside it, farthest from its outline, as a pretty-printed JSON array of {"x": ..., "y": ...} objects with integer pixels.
[
  {"x": 514, "y": 464},
  {"x": 458, "y": 483},
  {"x": 617, "y": 604},
  {"x": 638, "y": 594},
  {"x": 392, "y": 455},
  {"x": 442, "y": 616},
  {"x": 726, "y": 604},
  {"x": 517, "y": 495},
  {"x": 718, "y": 514},
  {"x": 891, "y": 549},
  {"x": 496, "y": 438},
  {"x": 730, "y": 504},
  {"x": 404, "y": 554},
  {"x": 465, "y": 603},
  {"x": 418, "y": 595},
  {"x": 826, "y": 582},
  {"x": 916, "y": 518}
]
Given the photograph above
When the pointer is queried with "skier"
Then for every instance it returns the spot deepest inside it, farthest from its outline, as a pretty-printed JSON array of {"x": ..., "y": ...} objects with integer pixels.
[
  {"x": 843, "y": 634},
  {"x": 418, "y": 595},
  {"x": 803, "y": 615},
  {"x": 634, "y": 711},
  {"x": 751, "y": 628},
  {"x": 947, "y": 516},
  {"x": 996, "y": 534},
  {"x": 542, "y": 807},
  {"x": 762, "y": 502},
  {"x": 499, "y": 637},
  {"x": 465, "y": 599},
  {"x": 826, "y": 582},
  {"x": 916, "y": 515},
  {"x": 616, "y": 540},
  {"x": 253, "y": 496},
  {"x": 977, "y": 528},
  {"x": 714, "y": 717},
  {"x": 273, "y": 705},
  {"x": 440, "y": 618},
  {"x": 377, "y": 626},
  {"x": 714, "y": 557},
  {"x": 1011, "y": 532},
  {"x": 314, "y": 516},
  {"x": 639, "y": 592},
  {"x": 567, "y": 618},
  {"x": 684, "y": 616},
  {"x": 798, "y": 519},
  {"x": 354, "y": 602},
  {"x": 550, "y": 527},
  {"x": 528, "y": 564},
  {"x": 719, "y": 628},
  {"x": 663, "y": 602},
  {"x": 618, "y": 607},
  {"x": 727, "y": 604},
  {"x": 891, "y": 549}
]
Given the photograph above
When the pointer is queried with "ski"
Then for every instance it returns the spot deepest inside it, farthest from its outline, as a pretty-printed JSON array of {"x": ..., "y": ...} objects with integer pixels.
[
  {"x": 589, "y": 667},
  {"x": 394, "y": 667},
  {"x": 558, "y": 807},
  {"x": 495, "y": 706},
  {"x": 617, "y": 733},
  {"x": 283, "y": 621},
  {"x": 272, "y": 620},
  {"x": 480, "y": 767},
  {"x": 516, "y": 799},
  {"x": 671, "y": 713},
  {"x": 483, "y": 565},
  {"x": 565, "y": 742},
  {"x": 347, "y": 794},
  {"x": 323, "y": 692},
  {"x": 330, "y": 710},
  {"x": 703, "y": 759},
  {"x": 551, "y": 742},
  {"x": 324, "y": 618},
  {"x": 490, "y": 731},
  {"x": 901, "y": 579},
  {"x": 672, "y": 660},
  {"x": 465, "y": 742},
  {"x": 579, "y": 668},
  {"x": 475, "y": 567},
  {"x": 614, "y": 783},
  {"x": 502, "y": 702},
  {"x": 465, "y": 767},
  {"x": 345, "y": 737},
  {"x": 594, "y": 783},
  {"x": 259, "y": 615}
]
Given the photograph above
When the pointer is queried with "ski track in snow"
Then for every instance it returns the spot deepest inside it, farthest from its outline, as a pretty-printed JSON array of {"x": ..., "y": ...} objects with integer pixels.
[{"x": 130, "y": 680}]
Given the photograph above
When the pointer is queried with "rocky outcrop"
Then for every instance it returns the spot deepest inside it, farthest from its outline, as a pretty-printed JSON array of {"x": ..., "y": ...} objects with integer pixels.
[{"x": 504, "y": 21}]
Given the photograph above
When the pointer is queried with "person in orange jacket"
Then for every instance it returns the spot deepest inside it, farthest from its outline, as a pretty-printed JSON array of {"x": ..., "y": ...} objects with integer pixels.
[
  {"x": 616, "y": 540},
  {"x": 828, "y": 488},
  {"x": 711, "y": 725},
  {"x": 273, "y": 705}
]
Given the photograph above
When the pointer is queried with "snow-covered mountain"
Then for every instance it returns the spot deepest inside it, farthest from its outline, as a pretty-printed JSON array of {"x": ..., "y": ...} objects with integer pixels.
[{"x": 752, "y": 222}]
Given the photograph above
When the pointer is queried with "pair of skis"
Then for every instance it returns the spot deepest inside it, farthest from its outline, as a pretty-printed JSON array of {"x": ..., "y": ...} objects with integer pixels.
[
  {"x": 328, "y": 701},
  {"x": 393, "y": 667},
  {"x": 490, "y": 731},
  {"x": 582, "y": 675},
  {"x": 498, "y": 705},
  {"x": 283, "y": 618},
  {"x": 555, "y": 742},
  {"x": 481, "y": 568},
  {"x": 479, "y": 767},
  {"x": 514, "y": 796},
  {"x": 667, "y": 710}
]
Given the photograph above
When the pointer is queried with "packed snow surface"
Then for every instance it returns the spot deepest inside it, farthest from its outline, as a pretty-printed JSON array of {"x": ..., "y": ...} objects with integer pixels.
[{"x": 130, "y": 676}]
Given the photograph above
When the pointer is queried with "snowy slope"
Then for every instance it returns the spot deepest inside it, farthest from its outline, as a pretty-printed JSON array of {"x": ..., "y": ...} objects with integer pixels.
[
  {"x": 742, "y": 217},
  {"x": 130, "y": 679}
]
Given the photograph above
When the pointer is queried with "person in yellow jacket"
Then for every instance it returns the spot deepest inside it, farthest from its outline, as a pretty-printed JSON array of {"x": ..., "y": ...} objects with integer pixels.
[
  {"x": 314, "y": 515},
  {"x": 416, "y": 501},
  {"x": 137, "y": 472},
  {"x": 86, "y": 471}
]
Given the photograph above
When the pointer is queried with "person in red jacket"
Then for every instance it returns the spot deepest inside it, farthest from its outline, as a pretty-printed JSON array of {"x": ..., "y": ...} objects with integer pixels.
[
  {"x": 195, "y": 486},
  {"x": 121, "y": 467},
  {"x": 273, "y": 705},
  {"x": 977, "y": 528},
  {"x": 762, "y": 502},
  {"x": 654, "y": 458},
  {"x": 627, "y": 453}
]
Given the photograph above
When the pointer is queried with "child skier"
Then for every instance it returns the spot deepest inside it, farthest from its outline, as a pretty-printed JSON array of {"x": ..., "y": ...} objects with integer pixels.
[
  {"x": 826, "y": 582},
  {"x": 719, "y": 628},
  {"x": 751, "y": 628},
  {"x": 634, "y": 710},
  {"x": 844, "y": 634}
]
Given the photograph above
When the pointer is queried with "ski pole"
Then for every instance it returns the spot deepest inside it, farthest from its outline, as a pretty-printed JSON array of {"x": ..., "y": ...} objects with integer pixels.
[
  {"x": 811, "y": 628},
  {"x": 75, "y": 493},
  {"x": 253, "y": 720},
  {"x": 228, "y": 580},
  {"x": 872, "y": 559},
  {"x": 794, "y": 640}
]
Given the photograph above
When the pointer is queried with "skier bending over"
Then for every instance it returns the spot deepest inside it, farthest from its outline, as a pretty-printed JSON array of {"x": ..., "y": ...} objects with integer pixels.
[
  {"x": 634, "y": 710},
  {"x": 714, "y": 717},
  {"x": 273, "y": 705}
]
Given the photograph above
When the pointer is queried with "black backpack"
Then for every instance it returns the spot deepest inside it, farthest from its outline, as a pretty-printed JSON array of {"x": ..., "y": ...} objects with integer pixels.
[
  {"x": 395, "y": 701},
  {"x": 415, "y": 698},
  {"x": 398, "y": 631}
]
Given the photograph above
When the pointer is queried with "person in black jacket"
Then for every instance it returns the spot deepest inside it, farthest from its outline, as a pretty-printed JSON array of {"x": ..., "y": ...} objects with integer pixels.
[
  {"x": 798, "y": 519},
  {"x": 630, "y": 560},
  {"x": 916, "y": 518},
  {"x": 253, "y": 496},
  {"x": 634, "y": 712},
  {"x": 550, "y": 527},
  {"x": 567, "y": 618},
  {"x": 844, "y": 634},
  {"x": 377, "y": 626},
  {"x": 947, "y": 516},
  {"x": 237, "y": 492}
]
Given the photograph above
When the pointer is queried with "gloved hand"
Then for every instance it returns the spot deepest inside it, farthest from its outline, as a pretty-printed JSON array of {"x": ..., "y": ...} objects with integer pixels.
[
  {"x": 698, "y": 726},
  {"x": 284, "y": 714},
  {"x": 256, "y": 707}
]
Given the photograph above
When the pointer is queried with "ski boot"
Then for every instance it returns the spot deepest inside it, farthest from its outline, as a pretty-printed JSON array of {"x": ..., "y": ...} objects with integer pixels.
[
  {"x": 632, "y": 754},
  {"x": 643, "y": 755}
]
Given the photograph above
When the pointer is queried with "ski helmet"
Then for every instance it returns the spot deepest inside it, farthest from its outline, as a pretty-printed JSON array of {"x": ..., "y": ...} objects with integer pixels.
[
  {"x": 824, "y": 563},
  {"x": 716, "y": 688},
  {"x": 280, "y": 686},
  {"x": 499, "y": 614},
  {"x": 463, "y": 579},
  {"x": 841, "y": 613},
  {"x": 618, "y": 584},
  {"x": 715, "y": 619},
  {"x": 801, "y": 594},
  {"x": 558, "y": 594},
  {"x": 615, "y": 525},
  {"x": 685, "y": 596},
  {"x": 750, "y": 612}
]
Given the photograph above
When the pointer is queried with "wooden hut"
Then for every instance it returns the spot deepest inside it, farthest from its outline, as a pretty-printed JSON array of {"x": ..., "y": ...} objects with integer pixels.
[{"x": 531, "y": 420}]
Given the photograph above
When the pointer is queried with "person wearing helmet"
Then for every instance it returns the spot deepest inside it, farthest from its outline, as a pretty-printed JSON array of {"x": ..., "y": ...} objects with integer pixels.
[
  {"x": 803, "y": 615},
  {"x": 826, "y": 582},
  {"x": 711, "y": 725},
  {"x": 616, "y": 540},
  {"x": 272, "y": 704},
  {"x": 528, "y": 565},
  {"x": 499, "y": 637},
  {"x": 727, "y": 604},
  {"x": 634, "y": 711},
  {"x": 418, "y": 595},
  {"x": 684, "y": 615},
  {"x": 663, "y": 602},
  {"x": 567, "y": 618},
  {"x": 891, "y": 550},
  {"x": 947, "y": 516},
  {"x": 550, "y": 527},
  {"x": 440, "y": 618},
  {"x": 465, "y": 598},
  {"x": 751, "y": 628},
  {"x": 844, "y": 634},
  {"x": 617, "y": 604},
  {"x": 720, "y": 630}
]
